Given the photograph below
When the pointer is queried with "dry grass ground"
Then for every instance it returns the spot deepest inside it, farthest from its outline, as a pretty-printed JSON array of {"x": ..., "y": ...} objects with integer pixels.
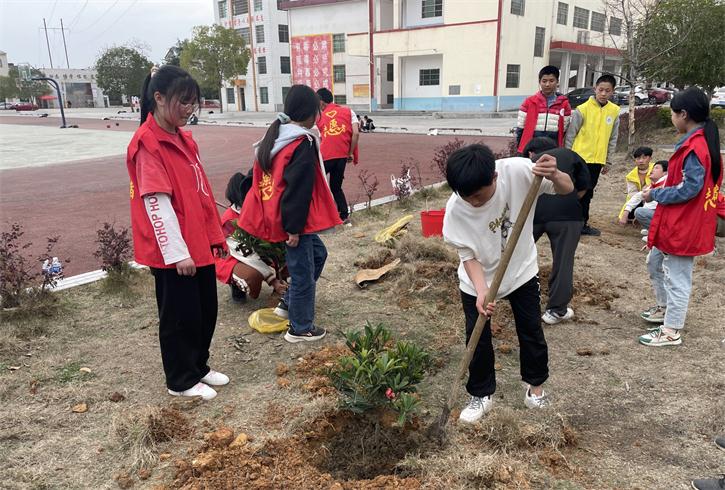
[{"x": 623, "y": 416}]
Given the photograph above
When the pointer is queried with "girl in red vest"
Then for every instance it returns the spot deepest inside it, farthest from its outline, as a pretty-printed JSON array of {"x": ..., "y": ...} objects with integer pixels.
[
  {"x": 243, "y": 269},
  {"x": 685, "y": 219},
  {"x": 176, "y": 229},
  {"x": 290, "y": 201}
]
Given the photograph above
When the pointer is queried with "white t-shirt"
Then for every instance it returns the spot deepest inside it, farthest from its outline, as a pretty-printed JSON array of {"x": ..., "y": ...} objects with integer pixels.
[{"x": 481, "y": 233}]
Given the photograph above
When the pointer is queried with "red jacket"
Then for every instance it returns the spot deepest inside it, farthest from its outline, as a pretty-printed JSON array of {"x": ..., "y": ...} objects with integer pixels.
[
  {"x": 335, "y": 125},
  {"x": 687, "y": 228},
  {"x": 539, "y": 117},
  {"x": 262, "y": 209},
  {"x": 182, "y": 177}
]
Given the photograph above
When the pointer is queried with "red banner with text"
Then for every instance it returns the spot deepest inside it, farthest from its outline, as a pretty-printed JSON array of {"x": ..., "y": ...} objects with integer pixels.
[{"x": 312, "y": 60}]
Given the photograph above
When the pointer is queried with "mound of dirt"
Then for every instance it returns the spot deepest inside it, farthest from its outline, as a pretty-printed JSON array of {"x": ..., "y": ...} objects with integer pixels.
[
  {"x": 377, "y": 259},
  {"x": 168, "y": 424},
  {"x": 337, "y": 451},
  {"x": 588, "y": 290}
]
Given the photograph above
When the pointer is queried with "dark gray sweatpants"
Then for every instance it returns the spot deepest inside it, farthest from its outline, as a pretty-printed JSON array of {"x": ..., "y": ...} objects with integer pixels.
[{"x": 564, "y": 238}]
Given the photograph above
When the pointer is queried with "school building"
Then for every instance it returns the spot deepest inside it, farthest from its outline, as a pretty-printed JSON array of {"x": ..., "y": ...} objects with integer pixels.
[
  {"x": 266, "y": 32},
  {"x": 448, "y": 55},
  {"x": 78, "y": 88}
]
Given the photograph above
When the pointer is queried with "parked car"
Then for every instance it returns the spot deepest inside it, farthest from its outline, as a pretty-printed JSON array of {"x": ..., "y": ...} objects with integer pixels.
[
  {"x": 621, "y": 95},
  {"x": 658, "y": 95},
  {"x": 25, "y": 106},
  {"x": 6, "y": 106},
  {"x": 211, "y": 104},
  {"x": 718, "y": 98},
  {"x": 579, "y": 95}
]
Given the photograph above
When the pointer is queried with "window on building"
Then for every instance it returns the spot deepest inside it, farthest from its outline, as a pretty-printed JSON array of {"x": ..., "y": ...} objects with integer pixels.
[
  {"x": 340, "y": 99},
  {"x": 431, "y": 8},
  {"x": 338, "y": 72},
  {"x": 454, "y": 90},
  {"x": 263, "y": 95},
  {"x": 539, "y": 41},
  {"x": 512, "y": 76},
  {"x": 262, "y": 65},
  {"x": 285, "y": 91},
  {"x": 390, "y": 72},
  {"x": 240, "y": 7},
  {"x": 430, "y": 76},
  {"x": 222, "y": 6},
  {"x": 518, "y": 7},
  {"x": 338, "y": 43},
  {"x": 598, "y": 21},
  {"x": 259, "y": 34},
  {"x": 284, "y": 64},
  {"x": 562, "y": 13},
  {"x": 258, "y": 5},
  {"x": 244, "y": 32},
  {"x": 283, "y": 33},
  {"x": 615, "y": 26},
  {"x": 581, "y": 18},
  {"x": 230, "y": 96},
  {"x": 390, "y": 99}
]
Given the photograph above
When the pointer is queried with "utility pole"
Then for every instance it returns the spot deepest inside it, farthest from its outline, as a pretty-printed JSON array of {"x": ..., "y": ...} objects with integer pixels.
[
  {"x": 47, "y": 42},
  {"x": 62, "y": 31}
]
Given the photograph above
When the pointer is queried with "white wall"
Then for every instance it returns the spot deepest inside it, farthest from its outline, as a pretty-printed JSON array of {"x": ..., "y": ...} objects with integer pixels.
[
  {"x": 4, "y": 65},
  {"x": 412, "y": 10},
  {"x": 346, "y": 17},
  {"x": 384, "y": 12},
  {"x": 410, "y": 72}
]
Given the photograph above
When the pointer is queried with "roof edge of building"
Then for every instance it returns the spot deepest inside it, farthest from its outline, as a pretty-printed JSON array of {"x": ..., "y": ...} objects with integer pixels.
[{"x": 294, "y": 4}]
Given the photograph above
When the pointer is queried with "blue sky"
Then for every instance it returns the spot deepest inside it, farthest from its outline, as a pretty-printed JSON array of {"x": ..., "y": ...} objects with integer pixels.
[{"x": 93, "y": 25}]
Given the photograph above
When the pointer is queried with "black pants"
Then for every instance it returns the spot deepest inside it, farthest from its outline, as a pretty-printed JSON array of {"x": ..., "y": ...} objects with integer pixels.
[
  {"x": 336, "y": 169},
  {"x": 564, "y": 238},
  {"x": 534, "y": 353},
  {"x": 187, "y": 317},
  {"x": 594, "y": 170}
]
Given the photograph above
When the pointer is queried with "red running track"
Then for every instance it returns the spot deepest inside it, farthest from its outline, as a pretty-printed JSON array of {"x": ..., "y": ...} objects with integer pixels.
[{"x": 74, "y": 199}]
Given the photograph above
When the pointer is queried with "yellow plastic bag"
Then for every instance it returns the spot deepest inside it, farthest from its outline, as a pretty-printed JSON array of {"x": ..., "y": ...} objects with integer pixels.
[
  {"x": 395, "y": 230},
  {"x": 265, "y": 321}
]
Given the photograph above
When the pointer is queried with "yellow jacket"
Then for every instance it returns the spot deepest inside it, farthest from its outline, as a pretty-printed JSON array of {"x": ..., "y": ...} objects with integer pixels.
[
  {"x": 634, "y": 185},
  {"x": 593, "y": 130}
]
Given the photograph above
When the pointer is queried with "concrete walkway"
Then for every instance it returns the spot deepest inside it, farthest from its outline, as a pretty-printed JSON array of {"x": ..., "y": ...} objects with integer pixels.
[{"x": 471, "y": 124}]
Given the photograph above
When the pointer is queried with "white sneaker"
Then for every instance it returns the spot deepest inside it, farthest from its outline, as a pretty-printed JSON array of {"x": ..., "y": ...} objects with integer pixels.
[
  {"x": 644, "y": 231},
  {"x": 552, "y": 318},
  {"x": 215, "y": 378},
  {"x": 533, "y": 401},
  {"x": 475, "y": 409},
  {"x": 199, "y": 389}
]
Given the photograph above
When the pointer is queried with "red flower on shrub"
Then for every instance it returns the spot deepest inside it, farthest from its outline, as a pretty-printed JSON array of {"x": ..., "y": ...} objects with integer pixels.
[{"x": 390, "y": 394}]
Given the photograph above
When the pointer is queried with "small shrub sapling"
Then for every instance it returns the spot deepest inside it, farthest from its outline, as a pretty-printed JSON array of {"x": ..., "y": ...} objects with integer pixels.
[
  {"x": 379, "y": 374},
  {"x": 369, "y": 183}
]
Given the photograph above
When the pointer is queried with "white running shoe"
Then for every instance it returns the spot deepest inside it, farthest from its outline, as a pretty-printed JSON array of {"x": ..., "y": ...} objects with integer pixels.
[
  {"x": 533, "y": 401},
  {"x": 552, "y": 318},
  {"x": 476, "y": 408},
  {"x": 214, "y": 378},
  {"x": 199, "y": 389}
]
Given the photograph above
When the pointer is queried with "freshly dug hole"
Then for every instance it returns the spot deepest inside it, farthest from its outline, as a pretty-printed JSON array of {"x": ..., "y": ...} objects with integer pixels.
[{"x": 359, "y": 447}]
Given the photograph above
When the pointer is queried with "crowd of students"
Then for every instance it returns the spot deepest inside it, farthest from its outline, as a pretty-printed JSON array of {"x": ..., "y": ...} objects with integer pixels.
[{"x": 270, "y": 232}]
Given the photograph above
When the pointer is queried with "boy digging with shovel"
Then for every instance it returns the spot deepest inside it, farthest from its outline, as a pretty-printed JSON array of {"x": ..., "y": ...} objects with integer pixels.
[{"x": 487, "y": 197}]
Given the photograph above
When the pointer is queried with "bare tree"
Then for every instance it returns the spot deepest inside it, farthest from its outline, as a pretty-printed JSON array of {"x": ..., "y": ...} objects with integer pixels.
[{"x": 636, "y": 16}]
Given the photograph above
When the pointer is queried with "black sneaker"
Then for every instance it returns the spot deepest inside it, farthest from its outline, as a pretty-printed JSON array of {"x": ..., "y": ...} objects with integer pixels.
[
  {"x": 315, "y": 334},
  {"x": 590, "y": 231},
  {"x": 709, "y": 484},
  {"x": 238, "y": 296},
  {"x": 282, "y": 310}
]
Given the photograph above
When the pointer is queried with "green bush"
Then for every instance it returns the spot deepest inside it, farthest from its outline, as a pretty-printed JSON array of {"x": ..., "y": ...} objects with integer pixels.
[
  {"x": 717, "y": 114},
  {"x": 378, "y": 374},
  {"x": 663, "y": 115}
]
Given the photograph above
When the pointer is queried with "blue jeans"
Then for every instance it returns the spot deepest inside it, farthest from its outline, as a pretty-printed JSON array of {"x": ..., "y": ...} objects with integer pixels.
[
  {"x": 304, "y": 263},
  {"x": 671, "y": 277},
  {"x": 644, "y": 216}
]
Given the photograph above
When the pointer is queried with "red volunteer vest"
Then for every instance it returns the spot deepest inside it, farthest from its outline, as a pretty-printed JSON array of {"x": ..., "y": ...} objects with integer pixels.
[
  {"x": 225, "y": 266},
  {"x": 335, "y": 125},
  {"x": 261, "y": 214},
  {"x": 687, "y": 228},
  {"x": 535, "y": 105},
  {"x": 191, "y": 197}
]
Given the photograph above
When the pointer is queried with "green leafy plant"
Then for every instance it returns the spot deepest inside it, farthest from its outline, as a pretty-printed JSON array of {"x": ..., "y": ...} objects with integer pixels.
[
  {"x": 380, "y": 374},
  {"x": 273, "y": 254}
]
